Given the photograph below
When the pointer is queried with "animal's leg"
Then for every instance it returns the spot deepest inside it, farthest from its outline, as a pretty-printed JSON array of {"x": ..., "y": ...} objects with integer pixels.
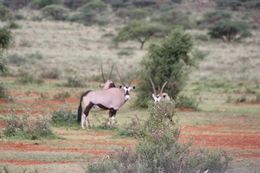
[
  {"x": 112, "y": 114},
  {"x": 83, "y": 118},
  {"x": 86, "y": 112}
]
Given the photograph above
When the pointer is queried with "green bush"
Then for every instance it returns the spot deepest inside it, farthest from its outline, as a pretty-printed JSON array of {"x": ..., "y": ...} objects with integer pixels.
[
  {"x": 55, "y": 12},
  {"x": 95, "y": 5},
  {"x": 229, "y": 30},
  {"x": 28, "y": 126},
  {"x": 62, "y": 95},
  {"x": 159, "y": 150},
  {"x": 51, "y": 73},
  {"x": 5, "y": 13},
  {"x": 190, "y": 102},
  {"x": 13, "y": 25},
  {"x": 44, "y": 3},
  {"x": 64, "y": 117},
  {"x": 167, "y": 61},
  {"x": 3, "y": 92},
  {"x": 74, "y": 82},
  {"x": 5, "y": 38}
]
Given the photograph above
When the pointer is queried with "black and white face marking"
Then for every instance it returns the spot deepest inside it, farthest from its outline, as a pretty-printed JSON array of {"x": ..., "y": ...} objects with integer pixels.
[
  {"x": 127, "y": 90},
  {"x": 158, "y": 97}
]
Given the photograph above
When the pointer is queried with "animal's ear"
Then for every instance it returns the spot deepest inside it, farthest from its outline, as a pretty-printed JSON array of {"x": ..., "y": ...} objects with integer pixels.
[{"x": 154, "y": 96}]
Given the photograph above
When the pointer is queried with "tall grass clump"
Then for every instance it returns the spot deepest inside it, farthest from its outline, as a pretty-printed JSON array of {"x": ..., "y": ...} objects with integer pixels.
[
  {"x": 64, "y": 117},
  {"x": 159, "y": 150},
  {"x": 28, "y": 126}
]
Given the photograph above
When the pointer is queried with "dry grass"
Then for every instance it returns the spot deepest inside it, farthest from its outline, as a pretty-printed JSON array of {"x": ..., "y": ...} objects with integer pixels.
[
  {"x": 70, "y": 47},
  {"x": 237, "y": 61}
]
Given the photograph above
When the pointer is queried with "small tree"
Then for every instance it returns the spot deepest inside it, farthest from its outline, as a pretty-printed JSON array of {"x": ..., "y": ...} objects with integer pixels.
[
  {"x": 229, "y": 30},
  {"x": 166, "y": 62},
  {"x": 140, "y": 32},
  {"x": 5, "y": 42}
]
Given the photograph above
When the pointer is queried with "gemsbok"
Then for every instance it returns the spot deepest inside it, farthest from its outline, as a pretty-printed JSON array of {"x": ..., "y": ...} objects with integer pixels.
[
  {"x": 111, "y": 99},
  {"x": 107, "y": 83},
  {"x": 161, "y": 94}
]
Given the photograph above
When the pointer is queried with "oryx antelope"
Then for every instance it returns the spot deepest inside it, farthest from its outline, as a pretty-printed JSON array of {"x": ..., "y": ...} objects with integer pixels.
[
  {"x": 110, "y": 99},
  {"x": 107, "y": 83},
  {"x": 161, "y": 94}
]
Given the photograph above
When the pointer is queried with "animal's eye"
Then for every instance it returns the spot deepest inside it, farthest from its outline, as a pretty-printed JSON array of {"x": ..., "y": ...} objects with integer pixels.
[{"x": 164, "y": 96}]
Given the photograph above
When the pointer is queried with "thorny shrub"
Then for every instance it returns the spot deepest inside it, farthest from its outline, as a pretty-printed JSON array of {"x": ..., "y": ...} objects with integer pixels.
[
  {"x": 159, "y": 150},
  {"x": 28, "y": 126},
  {"x": 63, "y": 117}
]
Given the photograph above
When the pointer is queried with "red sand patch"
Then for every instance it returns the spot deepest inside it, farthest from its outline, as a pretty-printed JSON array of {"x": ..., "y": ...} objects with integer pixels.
[
  {"x": 20, "y": 112},
  {"x": 2, "y": 124},
  {"x": 3, "y": 101},
  {"x": 32, "y": 147},
  {"x": 32, "y": 162},
  {"x": 104, "y": 143},
  {"x": 242, "y": 142},
  {"x": 185, "y": 109},
  {"x": 226, "y": 136}
]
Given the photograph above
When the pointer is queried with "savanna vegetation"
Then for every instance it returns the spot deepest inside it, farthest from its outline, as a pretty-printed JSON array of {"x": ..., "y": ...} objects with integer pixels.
[{"x": 206, "y": 52}]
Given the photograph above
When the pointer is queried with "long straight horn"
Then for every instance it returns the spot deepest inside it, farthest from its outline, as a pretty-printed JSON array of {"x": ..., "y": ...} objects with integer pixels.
[
  {"x": 154, "y": 90},
  {"x": 102, "y": 73},
  {"x": 163, "y": 87},
  {"x": 120, "y": 76},
  {"x": 130, "y": 82},
  {"x": 111, "y": 71}
]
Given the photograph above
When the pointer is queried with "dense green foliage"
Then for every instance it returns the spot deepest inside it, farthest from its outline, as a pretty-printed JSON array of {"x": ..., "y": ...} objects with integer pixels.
[
  {"x": 239, "y": 4},
  {"x": 166, "y": 62},
  {"x": 139, "y": 31},
  {"x": 5, "y": 42},
  {"x": 5, "y": 38},
  {"x": 159, "y": 150},
  {"x": 229, "y": 30}
]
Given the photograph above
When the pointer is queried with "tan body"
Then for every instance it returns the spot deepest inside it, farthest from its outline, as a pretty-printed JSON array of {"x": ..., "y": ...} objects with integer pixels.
[{"x": 112, "y": 98}]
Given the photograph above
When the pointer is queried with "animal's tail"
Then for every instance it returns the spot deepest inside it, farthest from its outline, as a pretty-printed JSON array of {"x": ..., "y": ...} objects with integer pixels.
[{"x": 80, "y": 106}]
